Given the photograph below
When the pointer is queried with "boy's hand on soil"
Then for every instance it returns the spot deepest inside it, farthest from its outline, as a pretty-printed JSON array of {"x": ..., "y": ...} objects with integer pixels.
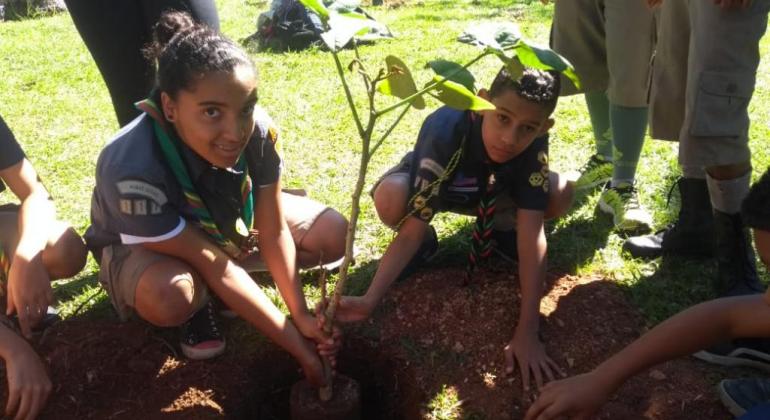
[
  {"x": 353, "y": 309},
  {"x": 28, "y": 384},
  {"x": 29, "y": 293},
  {"x": 526, "y": 349},
  {"x": 578, "y": 397}
]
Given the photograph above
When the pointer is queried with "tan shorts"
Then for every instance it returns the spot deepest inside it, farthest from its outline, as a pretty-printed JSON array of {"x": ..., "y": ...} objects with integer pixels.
[
  {"x": 610, "y": 43},
  {"x": 122, "y": 265},
  {"x": 703, "y": 79}
]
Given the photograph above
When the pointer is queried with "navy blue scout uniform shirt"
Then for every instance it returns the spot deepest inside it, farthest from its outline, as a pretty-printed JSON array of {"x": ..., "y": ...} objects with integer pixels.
[
  {"x": 524, "y": 178},
  {"x": 137, "y": 198},
  {"x": 10, "y": 151}
]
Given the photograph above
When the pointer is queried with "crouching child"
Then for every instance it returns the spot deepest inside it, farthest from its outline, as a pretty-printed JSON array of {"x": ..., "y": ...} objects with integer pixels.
[
  {"x": 190, "y": 192},
  {"x": 491, "y": 164},
  {"x": 35, "y": 248}
]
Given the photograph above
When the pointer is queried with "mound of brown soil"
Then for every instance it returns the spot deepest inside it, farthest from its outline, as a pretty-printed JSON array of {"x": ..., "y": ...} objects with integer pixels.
[{"x": 430, "y": 332}]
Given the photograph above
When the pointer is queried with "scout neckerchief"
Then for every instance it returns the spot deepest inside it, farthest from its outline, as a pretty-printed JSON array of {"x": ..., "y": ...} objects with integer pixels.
[
  {"x": 481, "y": 244},
  {"x": 170, "y": 145}
]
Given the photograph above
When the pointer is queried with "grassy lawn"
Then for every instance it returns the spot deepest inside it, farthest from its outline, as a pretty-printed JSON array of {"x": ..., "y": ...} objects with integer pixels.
[{"x": 53, "y": 97}]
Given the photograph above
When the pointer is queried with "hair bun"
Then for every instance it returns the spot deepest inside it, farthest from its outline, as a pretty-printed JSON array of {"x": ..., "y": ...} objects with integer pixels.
[{"x": 171, "y": 23}]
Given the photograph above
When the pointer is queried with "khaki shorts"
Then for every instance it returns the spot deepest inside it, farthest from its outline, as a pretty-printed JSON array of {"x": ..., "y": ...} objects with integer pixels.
[
  {"x": 122, "y": 265},
  {"x": 610, "y": 43},
  {"x": 704, "y": 75}
]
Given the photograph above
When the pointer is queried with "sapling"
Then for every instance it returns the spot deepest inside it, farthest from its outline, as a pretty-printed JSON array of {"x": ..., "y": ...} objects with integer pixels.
[{"x": 452, "y": 85}]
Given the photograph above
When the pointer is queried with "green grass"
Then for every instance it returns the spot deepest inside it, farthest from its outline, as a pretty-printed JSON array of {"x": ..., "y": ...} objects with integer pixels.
[{"x": 53, "y": 97}]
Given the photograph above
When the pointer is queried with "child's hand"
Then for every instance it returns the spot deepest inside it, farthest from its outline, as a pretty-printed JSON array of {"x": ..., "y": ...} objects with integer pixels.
[
  {"x": 526, "y": 348},
  {"x": 578, "y": 397},
  {"x": 313, "y": 367},
  {"x": 312, "y": 327},
  {"x": 353, "y": 309},
  {"x": 28, "y": 383},
  {"x": 29, "y": 293}
]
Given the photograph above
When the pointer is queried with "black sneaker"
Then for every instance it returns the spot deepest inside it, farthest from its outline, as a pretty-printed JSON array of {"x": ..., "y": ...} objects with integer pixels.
[
  {"x": 201, "y": 338},
  {"x": 505, "y": 244},
  {"x": 747, "y": 352},
  {"x": 741, "y": 395},
  {"x": 425, "y": 252}
]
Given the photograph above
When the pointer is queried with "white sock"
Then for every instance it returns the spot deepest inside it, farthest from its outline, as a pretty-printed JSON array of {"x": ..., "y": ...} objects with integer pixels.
[{"x": 727, "y": 195}]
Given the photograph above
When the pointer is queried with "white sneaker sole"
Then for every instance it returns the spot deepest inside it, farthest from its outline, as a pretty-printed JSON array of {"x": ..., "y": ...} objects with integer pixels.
[
  {"x": 728, "y": 401},
  {"x": 734, "y": 360}
]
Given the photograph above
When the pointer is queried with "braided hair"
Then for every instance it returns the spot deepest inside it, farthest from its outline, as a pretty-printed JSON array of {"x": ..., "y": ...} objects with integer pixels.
[
  {"x": 185, "y": 50},
  {"x": 538, "y": 86}
]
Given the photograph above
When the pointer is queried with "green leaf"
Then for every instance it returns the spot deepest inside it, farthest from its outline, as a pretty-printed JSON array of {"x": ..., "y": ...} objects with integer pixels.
[
  {"x": 513, "y": 64},
  {"x": 545, "y": 59},
  {"x": 343, "y": 27},
  {"x": 318, "y": 7},
  {"x": 495, "y": 35},
  {"x": 458, "y": 96},
  {"x": 400, "y": 82},
  {"x": 454, "y": 72}
]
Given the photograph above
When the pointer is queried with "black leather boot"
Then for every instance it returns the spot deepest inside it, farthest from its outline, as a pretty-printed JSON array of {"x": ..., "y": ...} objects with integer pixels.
[
  {"x": 737, "y": 271},
  {"x": 691, "y": 235}
]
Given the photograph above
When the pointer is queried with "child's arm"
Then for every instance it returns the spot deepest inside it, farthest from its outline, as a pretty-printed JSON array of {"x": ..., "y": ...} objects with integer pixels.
[
  {"x": 280, "y": 255},
  {"x": 687, "y": 332},
  {"x": 525, "y": 346},
  {"x": 399, "y": 252},
  {"x": 28, "y": 383},
  {"x": 241, "y": 294},
  {"x": 29, "y": 284}
]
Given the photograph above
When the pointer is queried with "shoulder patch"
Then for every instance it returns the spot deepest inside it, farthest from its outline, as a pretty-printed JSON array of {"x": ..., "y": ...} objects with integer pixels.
[
  {"x": 432, "y": 166},
  {"x": 144, "y": 189}
]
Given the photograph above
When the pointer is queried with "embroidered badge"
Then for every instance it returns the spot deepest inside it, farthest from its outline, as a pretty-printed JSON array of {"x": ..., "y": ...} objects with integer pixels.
[
  {"x": 426, "y": 213},
  {"x": 144, "y": 189},
  {"x": 431, "y": 166},
  {"x": 546, "y": 185},
  {"x": 536, "y": 179},
  {"x": 126, "y": 207},
  {"x": 542, "y": 157},
  {"x": 419, "y": 202},
  {"x": 140, "y": 207}
]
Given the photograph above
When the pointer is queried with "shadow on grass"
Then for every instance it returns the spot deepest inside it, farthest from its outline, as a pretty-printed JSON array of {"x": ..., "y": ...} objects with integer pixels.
[{"x": 675, "y": 283}]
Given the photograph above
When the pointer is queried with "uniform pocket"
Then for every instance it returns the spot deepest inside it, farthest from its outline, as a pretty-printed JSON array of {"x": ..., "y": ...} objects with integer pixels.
[{"x": 721, "y": 105}]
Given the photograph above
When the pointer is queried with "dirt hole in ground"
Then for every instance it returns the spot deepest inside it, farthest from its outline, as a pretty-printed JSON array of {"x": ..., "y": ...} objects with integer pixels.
[{"x": 388, "y": 391}]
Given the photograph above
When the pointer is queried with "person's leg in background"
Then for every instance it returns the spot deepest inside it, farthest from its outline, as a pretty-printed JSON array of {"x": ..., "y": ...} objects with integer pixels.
[
  {"x": 693, "y": 232},
  {"x": 723, "y": 62},
  {"x": 578, "y": 33},
  {"x": 630, "y": 34},
  {"x": 115, "y": 31}
]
